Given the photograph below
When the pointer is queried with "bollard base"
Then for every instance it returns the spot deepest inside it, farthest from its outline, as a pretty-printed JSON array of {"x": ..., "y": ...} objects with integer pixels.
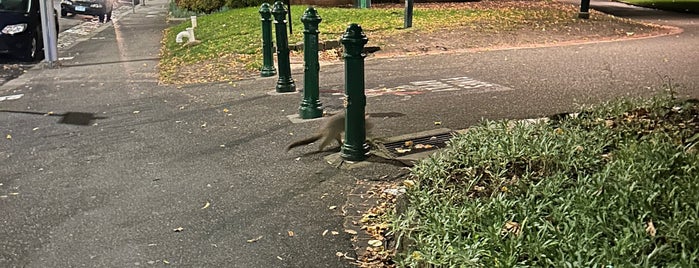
[
  {"x": 268, "y": 71},
  {"x": 285, "y": 86},
  {"x": 354, "y": 153},
  {"x": 584, "y": 15},
  {"x": 310, "y": 112}
]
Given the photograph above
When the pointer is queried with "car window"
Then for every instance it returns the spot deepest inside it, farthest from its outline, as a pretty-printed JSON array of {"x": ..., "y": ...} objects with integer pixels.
[{"x": 14, "y": 5}]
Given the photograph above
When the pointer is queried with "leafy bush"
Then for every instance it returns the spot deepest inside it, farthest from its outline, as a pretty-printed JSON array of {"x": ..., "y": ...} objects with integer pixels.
[
  {"x": 611, "y": 187},
  {"x": 247, "y": 3},
  {"x": 205, "y": 6}
]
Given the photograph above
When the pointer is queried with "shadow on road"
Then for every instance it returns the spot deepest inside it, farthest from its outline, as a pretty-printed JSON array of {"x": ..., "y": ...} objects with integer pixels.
[{"x": 69, "y": 118}]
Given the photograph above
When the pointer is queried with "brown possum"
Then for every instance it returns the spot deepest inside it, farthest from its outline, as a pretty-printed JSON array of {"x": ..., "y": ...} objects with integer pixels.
[{"x": 332, "y": 128}]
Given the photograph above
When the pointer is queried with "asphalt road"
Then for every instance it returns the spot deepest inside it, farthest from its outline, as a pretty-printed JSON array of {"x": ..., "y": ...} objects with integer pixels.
[{"x": 103, "y": 167}]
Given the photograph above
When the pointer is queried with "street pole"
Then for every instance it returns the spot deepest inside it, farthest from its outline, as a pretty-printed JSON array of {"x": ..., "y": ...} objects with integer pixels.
[
  {"x": 355, "y": 147},
  {"x": 49, "y": 34},
  {"x": 584, "y": 9},
  {"x": 285, "y": 83},
  {"x": 310, "y": 105},
  {"x": 267, "y": 45},
  {"x": 408, "y": 16}
]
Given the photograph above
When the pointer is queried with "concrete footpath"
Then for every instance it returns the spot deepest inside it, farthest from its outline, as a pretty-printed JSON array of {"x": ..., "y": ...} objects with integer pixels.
[{"x": 103, "y": 167}]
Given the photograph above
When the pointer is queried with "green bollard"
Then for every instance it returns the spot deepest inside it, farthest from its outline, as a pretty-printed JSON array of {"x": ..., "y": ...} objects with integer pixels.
[
  {"x": 584, "y": 9},
  {"x": 310, "y": 106},
  {"x": 267, "y": 58},
  {"x": 284, "y": 83},
  {"x": 355, "y": 147}
]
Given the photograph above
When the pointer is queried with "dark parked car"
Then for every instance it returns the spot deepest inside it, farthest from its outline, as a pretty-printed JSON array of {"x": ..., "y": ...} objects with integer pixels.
[
  {"x": 102, "y": 9},
  {"x": 21, "y": 34}
]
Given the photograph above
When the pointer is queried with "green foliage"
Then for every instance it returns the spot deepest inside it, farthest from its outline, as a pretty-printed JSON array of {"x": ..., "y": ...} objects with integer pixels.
[
  {"x": 246, "y": 3},
  {"x": 205, "y": 6},
  {"x": 614, "y": 186}
]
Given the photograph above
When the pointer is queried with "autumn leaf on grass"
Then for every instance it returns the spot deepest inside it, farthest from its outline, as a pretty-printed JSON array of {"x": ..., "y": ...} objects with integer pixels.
[
  {"x": 511, "y": 227},
  {"x": 290, "y": 233},
  {"x": 349, "y": 231},
  {"x": 178, "y": 229},
  {"x": 650, "y": 228}
]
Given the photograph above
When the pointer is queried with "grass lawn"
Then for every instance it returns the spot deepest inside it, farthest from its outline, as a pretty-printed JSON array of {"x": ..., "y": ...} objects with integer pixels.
[
  {"x": 230, "y": 47},
  {"x": 614, "y": 186},
  {"x": 691, "y": 6}
]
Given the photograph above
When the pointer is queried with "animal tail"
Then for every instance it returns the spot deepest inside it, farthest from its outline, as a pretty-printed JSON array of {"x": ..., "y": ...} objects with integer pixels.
[{"x": 305, "y": 141}]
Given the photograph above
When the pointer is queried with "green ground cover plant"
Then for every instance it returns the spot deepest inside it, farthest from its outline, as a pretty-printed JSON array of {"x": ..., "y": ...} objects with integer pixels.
[
  {"x": 691, "y": 6},
  {"x": 613, "y": 186}
]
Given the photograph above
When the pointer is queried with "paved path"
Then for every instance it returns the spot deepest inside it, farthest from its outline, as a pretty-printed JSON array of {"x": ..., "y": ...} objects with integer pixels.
[{"x": 197, "y": 177}]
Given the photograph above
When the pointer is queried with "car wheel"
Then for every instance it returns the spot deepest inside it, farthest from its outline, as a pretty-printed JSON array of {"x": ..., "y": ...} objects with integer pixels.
[
  {"x": 100, "y": 17},
  {"x": 35, "y": 49},
  {"x": 64, "y": 13},
  {"x": 109, "y": 16}
]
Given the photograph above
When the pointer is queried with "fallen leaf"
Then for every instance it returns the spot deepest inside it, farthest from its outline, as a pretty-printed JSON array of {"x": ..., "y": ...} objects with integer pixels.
[
  {"x": 334, "y": 232},
  {"x": 9, "y": 137},
  {"x": 512, "y": 227},
  {"x": 254, "y": 239},
  {"x": 206, "y": 205},
  {"x": 339, "y": 254},
  {"x": 424, "y": 146},
  {"x": 409, "y": 183},
  {"x": 291, "y": 233},
  {"x": 280, "y": 258},
  {"x": 332, "y": 207},
  {"x": 349, "y": 231},
  {"x": 225, "y": 110},
  {"x": 166, "y": 262},
  {"x": 325, "y": 232},
  {"x": 375, "y": 243},
  {"x": 408, "y": 144},
  {"x": 178, "y": 229},
  {"x": 402, "y": 150},
  {"x": 437, "y": 123},
  {"x": 650, "y": 228},
  {"x": 136, "y": 112}
]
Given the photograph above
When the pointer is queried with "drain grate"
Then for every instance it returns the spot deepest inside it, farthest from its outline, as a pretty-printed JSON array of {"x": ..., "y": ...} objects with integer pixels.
[{"x": 416, "y": 145}]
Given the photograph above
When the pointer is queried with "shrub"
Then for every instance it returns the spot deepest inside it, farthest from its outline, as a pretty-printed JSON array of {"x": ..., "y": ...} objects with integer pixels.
[
  {"x": 246, "y": 3},
  {"x": 205, "y": 6}
]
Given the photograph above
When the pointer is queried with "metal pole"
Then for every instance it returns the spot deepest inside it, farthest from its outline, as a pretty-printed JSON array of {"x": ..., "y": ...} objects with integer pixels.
[
  {"x": 49, "y": 33},
  {"x": 310, "y": 105},
  {"x": 291, "y": 21},
  {"x": 285, "y": 83},
  {"x": 408, "y": 16},
  {"x": 267, "y": 57},
  {"x": 584, "y": 9},
  {"x": 355, "y": 147}
]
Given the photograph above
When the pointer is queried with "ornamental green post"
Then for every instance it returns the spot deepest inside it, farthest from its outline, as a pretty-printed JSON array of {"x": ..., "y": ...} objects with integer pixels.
[
  {"x": 355, "y": 147},
  {"x": 584, "y": 9},
  {"x": 310, "y": 105},
  {"x": 285, "y": 83},
  {"x": 267, "y": 57}
]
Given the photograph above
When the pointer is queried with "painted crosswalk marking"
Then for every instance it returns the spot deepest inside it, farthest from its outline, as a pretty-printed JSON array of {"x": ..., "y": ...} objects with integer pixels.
[
  {"x": 463, "y": 83},
  {"x": 11, "y": 97}
]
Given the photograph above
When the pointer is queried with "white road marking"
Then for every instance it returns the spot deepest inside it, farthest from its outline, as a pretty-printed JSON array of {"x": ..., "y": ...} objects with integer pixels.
[
  {"x": 11, "y": 97},
  {"x": 447, "y": 84}
]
